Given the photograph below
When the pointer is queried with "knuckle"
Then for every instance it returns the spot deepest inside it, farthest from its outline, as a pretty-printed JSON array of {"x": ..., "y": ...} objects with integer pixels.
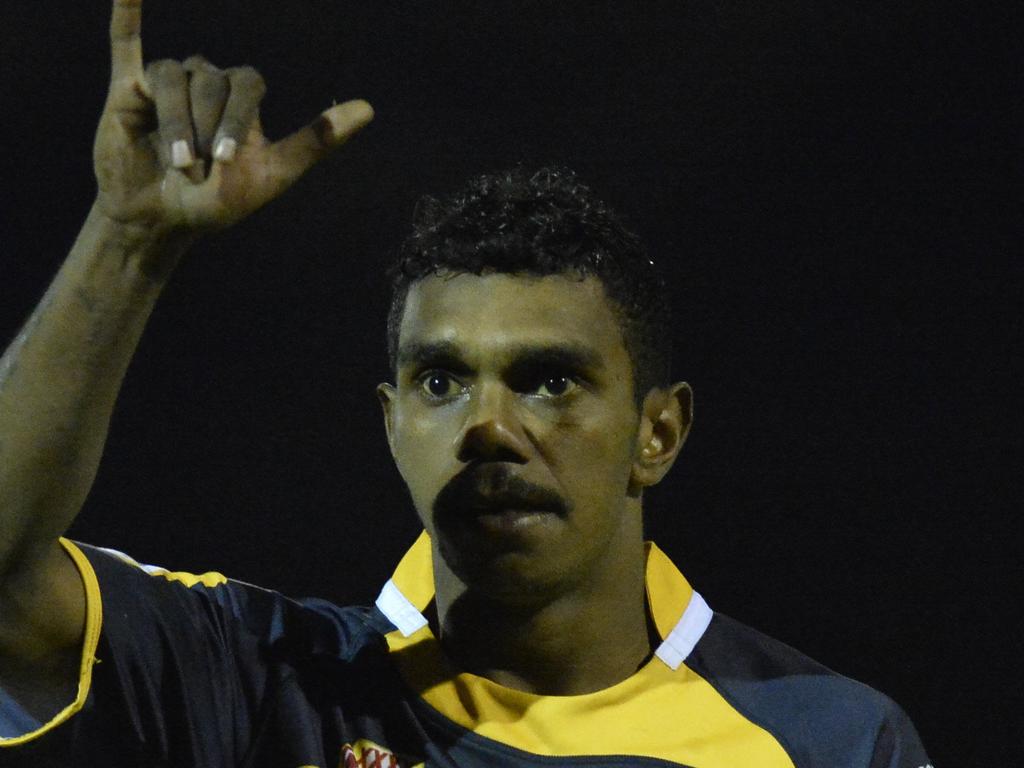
[
  {"x": 248, "y": 78},
  {"x": 163, "y": 69},
  {"x": 197, "y": 61}
]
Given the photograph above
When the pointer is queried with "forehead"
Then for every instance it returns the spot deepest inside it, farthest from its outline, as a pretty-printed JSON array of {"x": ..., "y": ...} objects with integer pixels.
[{"x": 488, "y": 313}]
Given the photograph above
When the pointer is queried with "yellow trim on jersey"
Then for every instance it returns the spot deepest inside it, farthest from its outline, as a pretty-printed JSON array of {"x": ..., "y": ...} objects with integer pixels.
[
  {"x": 91, "y": 636},
  {"x": 668, "y": 591},
  {"x": 414, "y": 575},
  {"x": 657, "y": 712},
  {"x": 208, "y": 579}
]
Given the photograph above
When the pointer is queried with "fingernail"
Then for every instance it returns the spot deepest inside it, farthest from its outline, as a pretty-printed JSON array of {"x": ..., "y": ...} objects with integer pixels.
[
  {"x": 225, "y": 149},
  {"x": 181, "y": 155}
]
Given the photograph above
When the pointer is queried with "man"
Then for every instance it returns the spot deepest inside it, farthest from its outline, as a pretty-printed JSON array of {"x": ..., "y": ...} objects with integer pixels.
[{"x": 531, "y": 408}]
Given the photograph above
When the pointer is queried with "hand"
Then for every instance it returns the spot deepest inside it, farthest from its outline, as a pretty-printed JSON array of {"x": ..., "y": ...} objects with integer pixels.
[{"x": 179, "y": 145}]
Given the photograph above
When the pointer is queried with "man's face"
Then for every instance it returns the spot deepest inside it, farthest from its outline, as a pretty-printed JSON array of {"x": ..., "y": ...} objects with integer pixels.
[{"x": 513, "y": 424}]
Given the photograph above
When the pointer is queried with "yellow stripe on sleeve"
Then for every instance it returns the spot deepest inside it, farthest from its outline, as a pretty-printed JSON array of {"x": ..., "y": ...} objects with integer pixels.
[{"x": 93, "y": 625}]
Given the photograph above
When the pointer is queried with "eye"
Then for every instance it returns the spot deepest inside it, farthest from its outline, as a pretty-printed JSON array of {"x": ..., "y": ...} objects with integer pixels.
[
  {"x": 439, "y": 385},
  {"x": 555, "y": 386}
]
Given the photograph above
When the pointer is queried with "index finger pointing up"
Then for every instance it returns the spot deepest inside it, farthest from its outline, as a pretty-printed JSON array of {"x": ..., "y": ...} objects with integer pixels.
[{"x": 126, "y": 39}]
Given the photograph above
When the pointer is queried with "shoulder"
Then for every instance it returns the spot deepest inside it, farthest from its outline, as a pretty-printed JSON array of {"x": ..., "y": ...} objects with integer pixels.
[
  {"x": 819, "y": 716},
  {"x": 140, "y": 599}
]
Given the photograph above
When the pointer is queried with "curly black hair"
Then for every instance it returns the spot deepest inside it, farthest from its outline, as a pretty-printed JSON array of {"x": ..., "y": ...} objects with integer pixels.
[{"x": 540, "y": 223}]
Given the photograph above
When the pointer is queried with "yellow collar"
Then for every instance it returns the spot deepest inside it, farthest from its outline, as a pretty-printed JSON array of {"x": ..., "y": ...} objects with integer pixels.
[{"x": 680, "y": 614}]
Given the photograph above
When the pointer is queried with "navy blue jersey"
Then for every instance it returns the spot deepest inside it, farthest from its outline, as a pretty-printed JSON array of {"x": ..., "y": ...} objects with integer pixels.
[{"x": 184, "y": 670}]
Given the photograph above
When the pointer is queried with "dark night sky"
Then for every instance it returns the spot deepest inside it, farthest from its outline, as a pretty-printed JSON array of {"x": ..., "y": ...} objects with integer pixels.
[{"x": 829, "y": 188}]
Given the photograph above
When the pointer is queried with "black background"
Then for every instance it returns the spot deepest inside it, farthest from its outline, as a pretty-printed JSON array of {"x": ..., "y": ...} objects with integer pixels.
[{"x": 829, "y": 187}]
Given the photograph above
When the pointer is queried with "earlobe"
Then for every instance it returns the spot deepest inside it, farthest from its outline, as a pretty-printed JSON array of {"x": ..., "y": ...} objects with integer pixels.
[
  {"x": 386, "y": 394},
  {"x": 665, "y": 423}
]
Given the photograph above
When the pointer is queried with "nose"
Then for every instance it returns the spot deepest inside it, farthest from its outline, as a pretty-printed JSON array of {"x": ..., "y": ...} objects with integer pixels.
[{"x": 492, "y": 431}]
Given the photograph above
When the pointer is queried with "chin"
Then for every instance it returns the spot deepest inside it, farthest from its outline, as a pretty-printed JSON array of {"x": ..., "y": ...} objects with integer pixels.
[{"x": 512, "y": 578}]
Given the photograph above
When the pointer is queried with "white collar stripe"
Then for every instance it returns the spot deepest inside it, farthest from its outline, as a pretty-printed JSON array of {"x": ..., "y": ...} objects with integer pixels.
[
  {"x": 399, "y": 611},
  {"x": 686, "y": 633},
  {"x": 673, "y": 650}
]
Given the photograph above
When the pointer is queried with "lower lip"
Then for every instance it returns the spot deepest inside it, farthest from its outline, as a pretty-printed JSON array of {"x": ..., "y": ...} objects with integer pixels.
[{"x": 512, "y": 520}]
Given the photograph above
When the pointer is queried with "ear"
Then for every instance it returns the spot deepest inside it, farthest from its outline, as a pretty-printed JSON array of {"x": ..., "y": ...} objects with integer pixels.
[
  {"x": 386, "y": 394},
  {"x": 665, "y": 420}
]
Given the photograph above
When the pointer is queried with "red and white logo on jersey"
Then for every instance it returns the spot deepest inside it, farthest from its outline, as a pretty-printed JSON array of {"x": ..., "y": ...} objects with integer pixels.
[{"x": 366, "y": 754}]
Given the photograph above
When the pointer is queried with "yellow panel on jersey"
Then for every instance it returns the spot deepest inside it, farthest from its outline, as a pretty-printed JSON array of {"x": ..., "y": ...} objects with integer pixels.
[
  {"x": 658, "y": 712},
  {"x": 93, "y": 624}
]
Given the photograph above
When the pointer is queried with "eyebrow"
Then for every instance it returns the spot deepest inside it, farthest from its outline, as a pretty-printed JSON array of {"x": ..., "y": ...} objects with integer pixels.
[
  {"x": 447, "y": 355},
  {"x": 439, "y": 354},
  {"x": 569, "y": 357}
]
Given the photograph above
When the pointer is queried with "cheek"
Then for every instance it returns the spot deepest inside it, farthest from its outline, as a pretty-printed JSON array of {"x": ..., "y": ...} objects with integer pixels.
[
  {"x": 422, "y": 444},
  {"x": 592, "y": 453}
]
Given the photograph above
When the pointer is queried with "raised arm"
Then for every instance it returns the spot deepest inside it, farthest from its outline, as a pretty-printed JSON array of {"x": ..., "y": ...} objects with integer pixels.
[{"x": 178, "y": 151}]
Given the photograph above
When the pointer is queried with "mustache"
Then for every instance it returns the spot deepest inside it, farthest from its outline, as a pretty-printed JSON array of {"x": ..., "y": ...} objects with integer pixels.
[{"x": 485, "y": 487}]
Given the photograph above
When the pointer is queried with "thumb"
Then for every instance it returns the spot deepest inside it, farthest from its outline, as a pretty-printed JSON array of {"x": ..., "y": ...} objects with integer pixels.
[{"x": 297, "y": 153}]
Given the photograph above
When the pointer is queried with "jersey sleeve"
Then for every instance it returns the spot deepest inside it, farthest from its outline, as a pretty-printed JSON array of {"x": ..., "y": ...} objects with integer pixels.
[
  {"x": 175, "y": 668},
  {"x": 898, "y": 745}
]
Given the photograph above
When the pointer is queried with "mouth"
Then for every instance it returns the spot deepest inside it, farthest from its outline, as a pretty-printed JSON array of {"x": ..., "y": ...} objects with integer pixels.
[
  {"x": 512, "y": 519},
  {"x": 493, "y": 501},
  {"x": 484, "y": 502}
]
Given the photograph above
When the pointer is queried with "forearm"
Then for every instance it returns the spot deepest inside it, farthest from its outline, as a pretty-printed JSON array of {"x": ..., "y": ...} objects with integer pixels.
[{"x": 60, "y": 377}]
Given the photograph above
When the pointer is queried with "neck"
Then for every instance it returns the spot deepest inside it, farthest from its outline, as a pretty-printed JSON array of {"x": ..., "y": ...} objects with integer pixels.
[{"x": 578, "y": 641}]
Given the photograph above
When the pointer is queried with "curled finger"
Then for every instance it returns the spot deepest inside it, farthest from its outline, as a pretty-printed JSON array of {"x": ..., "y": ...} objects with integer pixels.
[
  {"x": 208, "y": 94},
  {"x": 168, "y": 84},
  {"x": 241, "y": 111}
]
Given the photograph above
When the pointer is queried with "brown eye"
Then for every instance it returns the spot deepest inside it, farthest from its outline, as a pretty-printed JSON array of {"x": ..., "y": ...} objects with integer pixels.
[
  {"x": 439, "y": 385},
  {"x": 555, "y": 386}
]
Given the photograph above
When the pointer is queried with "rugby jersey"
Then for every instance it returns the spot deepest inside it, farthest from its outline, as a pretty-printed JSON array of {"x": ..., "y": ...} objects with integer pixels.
[{"x": 186, "y": 670}]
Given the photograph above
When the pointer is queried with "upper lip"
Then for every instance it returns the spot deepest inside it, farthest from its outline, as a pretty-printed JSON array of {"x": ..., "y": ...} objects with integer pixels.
[{"x": 493, "y": 488}]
